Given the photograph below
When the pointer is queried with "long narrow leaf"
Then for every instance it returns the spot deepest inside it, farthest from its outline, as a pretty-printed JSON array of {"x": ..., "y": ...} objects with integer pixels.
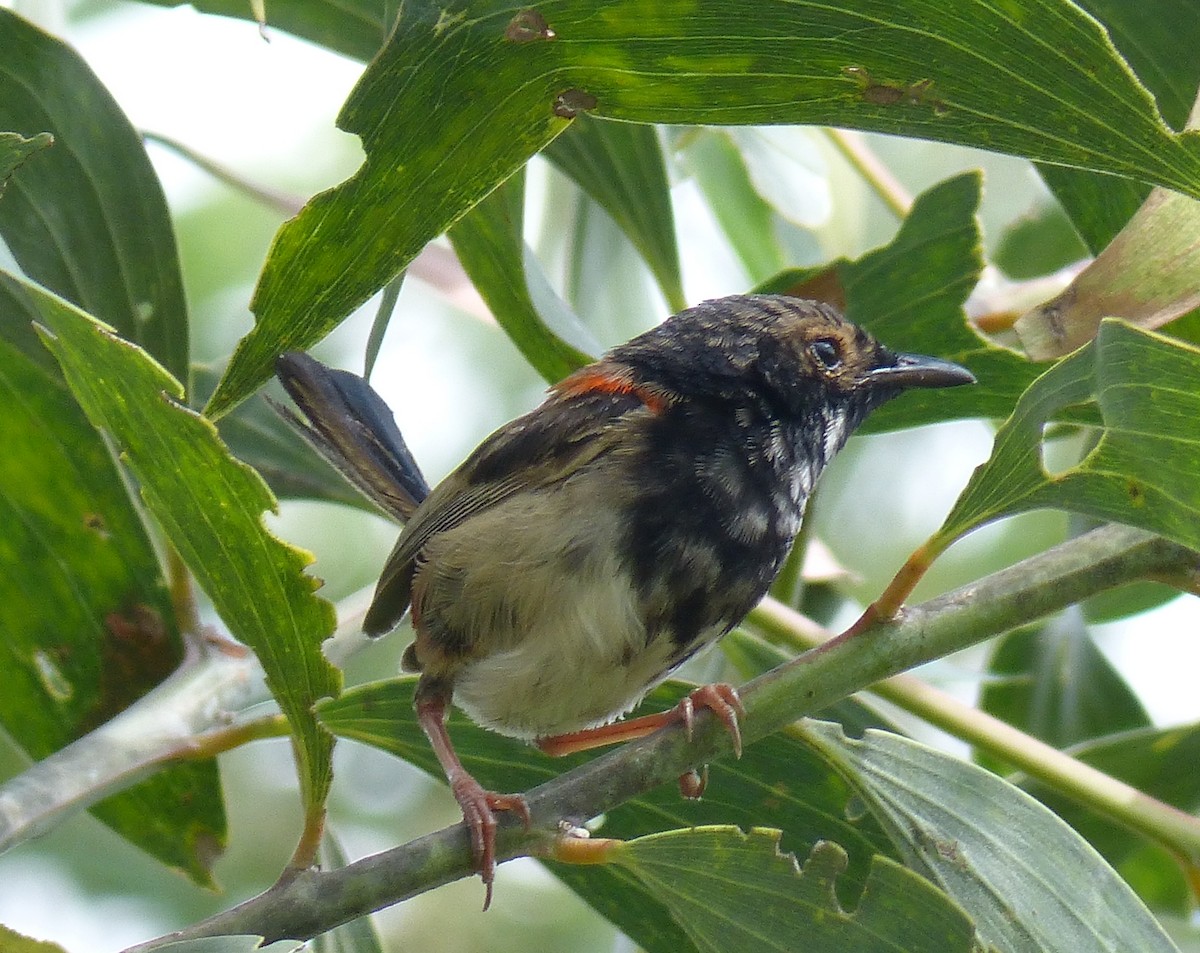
[
  {"x": 459, "y": 100},
  {"x": 210, "y": 506}
]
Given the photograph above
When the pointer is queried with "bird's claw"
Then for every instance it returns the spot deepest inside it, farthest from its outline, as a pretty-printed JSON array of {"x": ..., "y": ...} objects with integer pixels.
[
  {"x": 723, "y": 701},
  {"x": 478, "y": 807}
]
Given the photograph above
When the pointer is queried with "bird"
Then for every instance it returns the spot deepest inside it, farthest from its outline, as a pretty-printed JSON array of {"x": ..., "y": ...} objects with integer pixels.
[{"x": 587, "y": 549}]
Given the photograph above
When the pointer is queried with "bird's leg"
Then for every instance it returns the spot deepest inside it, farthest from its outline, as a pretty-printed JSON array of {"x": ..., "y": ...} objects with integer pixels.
[
  {"x": 720, "y": 698},
  {"x": 478, "y": 804}
]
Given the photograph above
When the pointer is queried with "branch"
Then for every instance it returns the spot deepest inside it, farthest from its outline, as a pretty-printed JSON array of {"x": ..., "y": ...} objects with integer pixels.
[
  {"x": 312, "y": 901},
  {"x": 154, "y": 730},
  {"x": 192, "y": 714}
]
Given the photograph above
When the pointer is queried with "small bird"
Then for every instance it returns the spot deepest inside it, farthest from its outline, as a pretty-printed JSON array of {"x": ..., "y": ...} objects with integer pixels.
[{"x": 587, "y": 549}]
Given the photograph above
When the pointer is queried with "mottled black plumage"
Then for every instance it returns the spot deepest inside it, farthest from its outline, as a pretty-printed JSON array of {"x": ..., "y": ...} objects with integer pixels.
[{"x": 585, "y": 550}]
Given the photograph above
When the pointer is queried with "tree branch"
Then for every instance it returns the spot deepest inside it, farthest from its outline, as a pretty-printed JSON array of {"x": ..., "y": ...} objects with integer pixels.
[
  {"x": 191, "y": 714},
  {"x": 312, "y": 902}
]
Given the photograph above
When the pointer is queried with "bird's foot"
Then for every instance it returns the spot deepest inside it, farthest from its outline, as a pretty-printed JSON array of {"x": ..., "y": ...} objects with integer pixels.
[
  {"x": 478, "y": 807},
  {"x": 722, "y": 699}
]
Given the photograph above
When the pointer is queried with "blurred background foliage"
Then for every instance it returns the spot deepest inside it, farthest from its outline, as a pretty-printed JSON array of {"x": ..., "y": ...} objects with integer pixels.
[{"x": 265, "y": 112}]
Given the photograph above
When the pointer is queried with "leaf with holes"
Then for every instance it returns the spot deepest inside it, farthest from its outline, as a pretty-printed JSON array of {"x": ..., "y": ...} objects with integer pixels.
[
  {"x": 736, "y": 891},
  {"x": 88, "y": 625},
  {"x": 1143, "y": 389},
  {"x": 1028, "y": 880}
]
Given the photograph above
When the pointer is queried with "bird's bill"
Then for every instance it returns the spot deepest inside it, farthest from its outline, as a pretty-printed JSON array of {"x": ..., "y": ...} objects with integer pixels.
[{"x": 917, "y": 370}]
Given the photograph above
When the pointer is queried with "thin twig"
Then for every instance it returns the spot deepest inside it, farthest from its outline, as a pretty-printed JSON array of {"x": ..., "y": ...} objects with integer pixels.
[
  {"x": 877, "y": 175},
  {"x": 281, "y": 201}
]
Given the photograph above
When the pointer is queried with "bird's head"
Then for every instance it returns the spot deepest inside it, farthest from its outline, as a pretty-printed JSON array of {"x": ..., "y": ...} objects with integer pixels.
[{"x": 793, "y": 356}]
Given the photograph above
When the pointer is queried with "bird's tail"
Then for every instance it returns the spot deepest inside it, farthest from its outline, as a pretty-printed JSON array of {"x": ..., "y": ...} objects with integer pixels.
[{"x": 351, "y": 427}]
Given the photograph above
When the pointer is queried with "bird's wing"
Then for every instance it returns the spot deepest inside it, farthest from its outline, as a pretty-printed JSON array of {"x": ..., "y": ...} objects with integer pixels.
[{"x": 533, "y": 451}]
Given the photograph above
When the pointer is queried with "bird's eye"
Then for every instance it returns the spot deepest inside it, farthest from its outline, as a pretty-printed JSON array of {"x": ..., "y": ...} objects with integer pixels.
[{"x": 826, "y": 353}]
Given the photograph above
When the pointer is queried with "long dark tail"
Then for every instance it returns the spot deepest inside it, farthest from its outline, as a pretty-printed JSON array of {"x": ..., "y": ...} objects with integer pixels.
[{"x": 351, "y": 427}]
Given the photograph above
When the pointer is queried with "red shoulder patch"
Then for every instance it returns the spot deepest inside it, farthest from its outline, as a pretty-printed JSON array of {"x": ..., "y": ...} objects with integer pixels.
[{"x": 606, "y": 379}]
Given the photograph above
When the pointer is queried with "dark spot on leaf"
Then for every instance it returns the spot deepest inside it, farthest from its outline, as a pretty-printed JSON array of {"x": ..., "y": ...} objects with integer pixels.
[
  {"x": 571, "y": 102},
  {"x": 887, "y": 93},
  {"x": 944, "y": 847},
  {"x": 528, "y": 26},
  {"x": 136, "y": 655},
  {"x": 883, "y": 95},
  {"x": 1137, "y": 493},
  {"x": 95, "y": 522}
]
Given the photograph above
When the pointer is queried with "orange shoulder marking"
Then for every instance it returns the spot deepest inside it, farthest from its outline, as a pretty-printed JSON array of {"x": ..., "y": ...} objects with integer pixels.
[{"x": 605, "y": 379}]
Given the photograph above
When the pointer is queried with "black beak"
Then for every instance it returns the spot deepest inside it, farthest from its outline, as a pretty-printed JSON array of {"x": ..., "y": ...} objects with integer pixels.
[{"x": 917, "y": 370}]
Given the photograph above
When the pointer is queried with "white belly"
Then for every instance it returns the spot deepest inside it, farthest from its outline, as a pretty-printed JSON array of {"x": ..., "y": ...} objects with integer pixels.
[
  {"x": 565, "y": 647},
  {"x": 583, "y": 662}
]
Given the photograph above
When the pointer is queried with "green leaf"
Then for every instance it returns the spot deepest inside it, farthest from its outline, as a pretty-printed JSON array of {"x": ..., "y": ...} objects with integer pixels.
[
  {"x": 1027, "y": 879},
  {"x": 13, "y": 942},
  {"x": 620, "y": 165},
  {"x": 910, "y": 294},
  {"x": 461, "y": 97},
  {"x": 383, "y": 317},
  {"x": 1128, "y": 600},
  {"x": 1098, "y": 205},
  {"x": 778, "y": 778},
  {"x": 1160, "y": 762},
  {"x": 210, "y": 507},
  {"x": 1147, "y": 275},
  {"x": 87, "y": 219},
  {"x": 490, "y": 246},
  {"x": 88, "y": 625},
  {"x": 15, "y": 149},
  {"x": 1053, "y": 683},
  {"x": 1160, "y": 45},
  {"x": 1144, "y": 471},
  {"x": 1040, "y": 243},
  {"x": 735, "y": 891}
]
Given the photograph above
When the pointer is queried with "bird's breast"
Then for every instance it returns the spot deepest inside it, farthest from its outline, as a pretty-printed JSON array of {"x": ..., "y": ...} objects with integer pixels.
[
  {"x": 538, "y": 595},
  {"x": 715, "y": 519}
]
